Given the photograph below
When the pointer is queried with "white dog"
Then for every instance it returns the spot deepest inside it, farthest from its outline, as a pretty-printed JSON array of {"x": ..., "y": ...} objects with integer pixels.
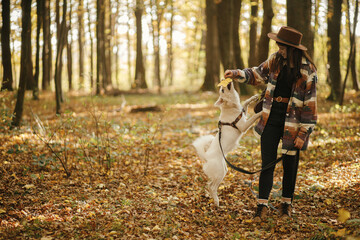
[{"x": 208, "y": 147}]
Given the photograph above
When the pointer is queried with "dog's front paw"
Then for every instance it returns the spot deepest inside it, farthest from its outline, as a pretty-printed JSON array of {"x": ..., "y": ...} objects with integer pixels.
[{"x": 256, "y": 97}]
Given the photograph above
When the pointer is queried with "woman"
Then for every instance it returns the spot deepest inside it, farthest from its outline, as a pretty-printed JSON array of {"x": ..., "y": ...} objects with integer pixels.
[{"x": 289, "y": 112}]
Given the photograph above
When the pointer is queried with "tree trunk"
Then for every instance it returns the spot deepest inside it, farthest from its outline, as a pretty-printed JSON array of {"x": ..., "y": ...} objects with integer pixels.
[
  {"x": 58, "y": 64},
  {"x": 39, "y": 15},
  {"x": 334, "y": 25},
  {"x": 252, "y": 61},
  {"x": 139, "y": 68},
  {"x": 228, "y": 17},
  {"x": 26, "y": 67},
  {"x": 128, "y": 42},
  {"x": 117, "y": 44},
  {"x": 69, "y": 49},
  {"x": 263, "y": 44},
  {"x": 159, "y": 10},
  {"x": 212, "y": 48},
  {"x": 299, "y": 17},
  {"x": 354, "y": 77},
  {"x": 47, "y": 49},
  {"x": 169, "y": 72},
  {"x": 108, "y": 45},
  {"x": 91, "y": 49},
  {"x": 81, "y": 43},
  {"x": 30, "y": 84},
  {"x": 100, "y": 46},
  {"x": 5, "y": 47},
  {"x": 352, "y": 47}
]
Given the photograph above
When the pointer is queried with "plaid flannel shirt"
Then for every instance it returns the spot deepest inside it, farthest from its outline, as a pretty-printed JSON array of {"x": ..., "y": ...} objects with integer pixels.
[{"x": 301, "y": 114}]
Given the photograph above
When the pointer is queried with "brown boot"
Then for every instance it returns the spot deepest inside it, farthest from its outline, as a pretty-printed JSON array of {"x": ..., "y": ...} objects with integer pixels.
[
  {"x": 285, "y": 210},
  {"x": 261, "y": 212}
]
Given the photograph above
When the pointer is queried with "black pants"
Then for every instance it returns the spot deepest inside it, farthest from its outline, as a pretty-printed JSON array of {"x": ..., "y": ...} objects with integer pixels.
[{"x": 270, "y": 139}]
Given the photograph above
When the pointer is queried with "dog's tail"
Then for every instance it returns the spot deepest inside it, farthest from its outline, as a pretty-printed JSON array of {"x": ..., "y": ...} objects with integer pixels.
[{"x": 202, "y": 144}]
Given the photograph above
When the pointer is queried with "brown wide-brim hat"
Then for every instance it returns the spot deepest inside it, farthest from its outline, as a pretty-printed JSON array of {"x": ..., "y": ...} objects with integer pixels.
[{"x": 288, "y": 36}]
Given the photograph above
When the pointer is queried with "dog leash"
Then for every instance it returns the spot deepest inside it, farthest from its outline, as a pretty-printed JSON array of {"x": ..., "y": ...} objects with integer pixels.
[{"x": 233, "y": 124}]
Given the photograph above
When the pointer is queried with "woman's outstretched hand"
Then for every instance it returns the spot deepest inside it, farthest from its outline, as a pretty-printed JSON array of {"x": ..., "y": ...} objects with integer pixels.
[
  {"x": 229, "y": 74},
  {"x": 236, "y": 73}
]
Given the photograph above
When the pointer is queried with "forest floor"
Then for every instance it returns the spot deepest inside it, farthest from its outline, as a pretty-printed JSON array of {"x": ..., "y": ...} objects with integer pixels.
[{"x": 99, "y": 171}]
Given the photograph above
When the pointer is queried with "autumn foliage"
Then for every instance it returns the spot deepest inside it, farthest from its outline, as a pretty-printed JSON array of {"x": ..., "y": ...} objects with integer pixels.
[{"x": 98, "y": 171}]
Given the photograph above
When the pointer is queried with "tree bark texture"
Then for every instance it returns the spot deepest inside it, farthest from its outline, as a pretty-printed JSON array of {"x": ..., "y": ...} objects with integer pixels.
[
  {"x": 69, "y": 50},
  {"x": 263, "y": 44},
  {"x": 333, "y": 45},
  {"x": 252, "y": 61},
  {"x": 108, "y": 44},
  {"x": 354, "y": 76},
  {"x": 47, "y": 49},
  {"x": 352, "y": 48},
  {"x": 228, "y": 13},
  {"x": 81, "y": 43},
  {"x": 212, "y": 48},
  {"x": 39, "y": 15},
  {"x": 58, "y": 64},
  {"x": 100, "y": 46},
  {"x": 91, "y": 49},
  {"x": 26, "y": 67},
  {"x": 139, "y": 68},
  {"x": 7, "y": 80},
  {"x": 299, "y": 17}
]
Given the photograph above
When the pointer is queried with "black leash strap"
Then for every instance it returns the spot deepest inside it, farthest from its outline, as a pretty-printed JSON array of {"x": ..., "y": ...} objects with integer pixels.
[{"x": 270, "y": 165}]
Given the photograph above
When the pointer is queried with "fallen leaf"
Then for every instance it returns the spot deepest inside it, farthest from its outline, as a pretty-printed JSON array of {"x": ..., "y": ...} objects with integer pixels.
[
  {"x": 340, "y": 232},
  {"x": 28, "y": 186},
  {"x": 156, "y": 228},
  {"x": 343, "y": 215}
]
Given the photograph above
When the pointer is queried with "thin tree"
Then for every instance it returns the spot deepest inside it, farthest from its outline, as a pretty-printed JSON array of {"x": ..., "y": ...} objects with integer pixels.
[
  {"x": 108, "y": 36},
  {"x": 352, "y": 48},
  {"x": 252, "y": 61},
  {"x": 47, "y": 49},
  {"x": 140, "y": 81},
  {"x": 81, "y": 42},
  {"x": 263, "y": 44},
  {"x": 117, "y": 43},
  {"x": 157, "y": 11},
  {"x": 334, "y": 26},
  {"x": 5, "y": 47},
  {"x": 69, "y": 48},
  {"x": 169, "y": 70},
  {"x": 212, "y": 48},
  {"x": 60, "y": 47},
  {"x": 100, "y": 45},
  {"x": 91, "y": 48},
  {"x": 59, "y": 63},
  {"x": 26, "y": 67},
  {"x": 40, "y": 21},
  {"x": 354, "y": 76},
  {"x": 128, "y": 41}
]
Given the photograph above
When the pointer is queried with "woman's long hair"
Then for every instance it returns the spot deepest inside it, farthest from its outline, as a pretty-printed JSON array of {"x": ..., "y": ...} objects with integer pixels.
[{"x": 294, "y": 55}]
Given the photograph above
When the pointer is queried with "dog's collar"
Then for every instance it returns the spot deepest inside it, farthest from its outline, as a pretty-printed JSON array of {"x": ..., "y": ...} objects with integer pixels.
[{"x": 232, "y": 124}]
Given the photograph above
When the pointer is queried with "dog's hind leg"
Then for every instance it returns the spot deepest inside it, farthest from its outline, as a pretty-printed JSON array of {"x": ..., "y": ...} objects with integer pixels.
[
  {"x": 213, "y": 192},
  {"x": 214, "y": 183}
]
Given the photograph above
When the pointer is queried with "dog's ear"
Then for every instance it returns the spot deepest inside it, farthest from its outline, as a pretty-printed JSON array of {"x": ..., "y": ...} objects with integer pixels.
[
  {"x": 229, "y": 86},
  {"x": 219, "y": 102}
]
